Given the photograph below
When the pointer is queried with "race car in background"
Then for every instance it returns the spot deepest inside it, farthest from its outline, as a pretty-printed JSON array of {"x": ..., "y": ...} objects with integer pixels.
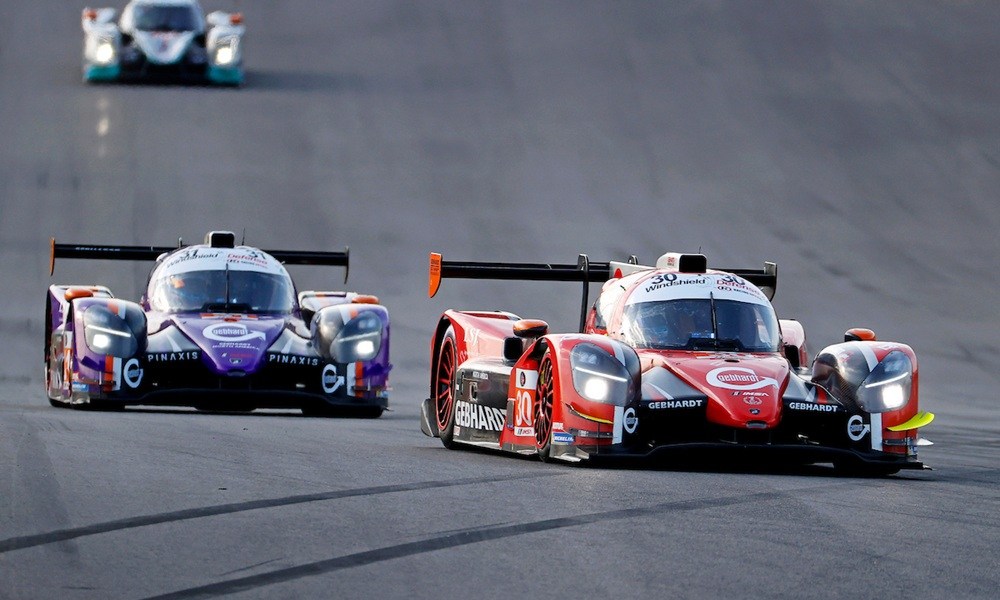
[
  {"x": 220, "y": 327},
  {"x": 163, "y": 40},
  {"x": 674, "y": 357}
]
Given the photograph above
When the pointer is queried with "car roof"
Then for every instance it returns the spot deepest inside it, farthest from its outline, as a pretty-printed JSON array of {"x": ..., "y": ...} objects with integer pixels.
[
  {"x": 658, "y": 285},
  {"x": 202, "y": 257},
  {"x": 193, "y": 3}
]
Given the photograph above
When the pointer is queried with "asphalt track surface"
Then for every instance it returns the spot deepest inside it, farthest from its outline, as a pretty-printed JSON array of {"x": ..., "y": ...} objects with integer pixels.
[{"x": 855, "y": 143}]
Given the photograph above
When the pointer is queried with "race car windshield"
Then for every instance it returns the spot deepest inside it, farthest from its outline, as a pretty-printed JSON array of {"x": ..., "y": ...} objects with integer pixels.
[
  {"x": 165, "y": 18},
  {"x": 223, "y": 291},
  {"x": 701, "y": 324}
]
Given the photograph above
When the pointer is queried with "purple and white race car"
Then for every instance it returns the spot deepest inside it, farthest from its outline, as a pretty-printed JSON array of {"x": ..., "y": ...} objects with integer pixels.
[{"x": 220, "y": 327}]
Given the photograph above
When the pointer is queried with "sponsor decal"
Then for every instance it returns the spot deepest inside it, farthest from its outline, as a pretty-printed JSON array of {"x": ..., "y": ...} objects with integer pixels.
[
  {"x": 191, "y": 254},
  {"x": 248, "y": 257},
  {"x": 331, "y": 381},
  {"x": 630, "y": 420},
  {"x": 80, "y": 387},
  {"x": 676, "y": 404},
  {"x": 524, "y": 431},
  {"x": 561, "y": 437},
  {"x": 480, "y": 375},
  {"x": 811, "y": 406},
  {"x": 472, "y": 337},
  {"x": 665, "y": 280},
  {"x": 231, "y": 332},
  {"x": 153, "y": 357},
  {"x": 857, "y": 429},
  {"x": 731, "y": 283},
  {"x": 132, "y": 373},
  {"x": 738, "y": 378},
  {"x": 278, "y": 358},
  {"x": 754, "y": 411},
  {"x": 527, "y": 379},
  {"x": 753, "y": 401},
  {"x": 477, "y": 416}
]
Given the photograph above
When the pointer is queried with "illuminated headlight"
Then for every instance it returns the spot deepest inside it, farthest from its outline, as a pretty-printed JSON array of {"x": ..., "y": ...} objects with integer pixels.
[
  {"x": 104, "y": 53},
  {"x": 887, "y": 387},
  {"x": 225, "y": 51},
  {"x": 107, "y": 333},
  {"x": 101, "y": 341},
  {"x": 365, "y": 348},
  {"x": 598, "y": 376},
  {"x": 359, "y": 340}
]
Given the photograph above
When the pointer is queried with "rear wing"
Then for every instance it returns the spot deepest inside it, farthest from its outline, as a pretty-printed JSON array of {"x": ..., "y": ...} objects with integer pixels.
[
  {"x": 583, "y": 271},
  {"x": 288, "y": 257}
]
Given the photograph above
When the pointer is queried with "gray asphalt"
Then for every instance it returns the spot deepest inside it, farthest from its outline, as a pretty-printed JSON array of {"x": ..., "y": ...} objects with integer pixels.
[{"x": 857, "y": 144}]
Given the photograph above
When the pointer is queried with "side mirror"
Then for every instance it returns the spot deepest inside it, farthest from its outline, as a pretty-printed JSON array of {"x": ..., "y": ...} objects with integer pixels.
[
  {"x": 859, "y": 334},
  {"x": 76, "y": 292},
  {"x": 530, "y": 328}
]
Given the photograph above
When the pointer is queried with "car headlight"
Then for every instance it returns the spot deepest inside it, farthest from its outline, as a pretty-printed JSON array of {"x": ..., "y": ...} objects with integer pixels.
[
  {"x": 107, "y": 333},
  {"x": 887, "y": 387},
  {"x": 359, "y": 340},
  {"x": 104, "y": 52},
  {"x": 598, "y": 376},
  {"x": 226, "y": 51}
]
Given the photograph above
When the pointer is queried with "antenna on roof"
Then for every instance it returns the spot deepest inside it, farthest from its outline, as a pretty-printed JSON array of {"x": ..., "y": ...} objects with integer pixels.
[{"x": 243, "y": 240}]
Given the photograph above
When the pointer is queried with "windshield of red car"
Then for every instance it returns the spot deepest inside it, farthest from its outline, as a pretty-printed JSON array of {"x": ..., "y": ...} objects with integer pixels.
[{"x": 701, "y": 324}]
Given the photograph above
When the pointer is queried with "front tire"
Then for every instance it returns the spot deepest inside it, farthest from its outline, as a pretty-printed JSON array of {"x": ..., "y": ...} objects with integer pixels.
[
  {"x": 53, "y": 382},
  {"x": 544, "y": 400},
  {"x": 444, "y": 388}
]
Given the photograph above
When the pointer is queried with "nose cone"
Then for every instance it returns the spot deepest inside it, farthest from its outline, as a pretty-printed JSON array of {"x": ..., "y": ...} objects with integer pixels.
[
  {"x": 232, "y": 347},
  {"x": 164, "y": 47},
  {"x": 744, "y": 391}
]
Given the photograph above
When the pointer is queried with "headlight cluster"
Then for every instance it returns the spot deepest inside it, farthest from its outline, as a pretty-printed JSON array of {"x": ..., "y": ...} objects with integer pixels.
[
  {"x": 104, "y": 51},
  {"x": 226, "y": 51},
  {"x": 359, "y": 340},
  {"x": 887, "y": 387},
  {"x": 598, "y": 376},
  {"x": 107, "y": 333}
]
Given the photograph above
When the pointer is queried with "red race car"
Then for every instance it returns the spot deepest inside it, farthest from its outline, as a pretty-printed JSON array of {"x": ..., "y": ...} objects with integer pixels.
[{"x": 671, "y": 357}]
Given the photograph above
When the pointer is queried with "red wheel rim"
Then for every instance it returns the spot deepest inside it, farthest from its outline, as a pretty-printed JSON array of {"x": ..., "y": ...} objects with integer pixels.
[
  {"x": 543, "y": 403},
  {"x": 443, "y": 389}
]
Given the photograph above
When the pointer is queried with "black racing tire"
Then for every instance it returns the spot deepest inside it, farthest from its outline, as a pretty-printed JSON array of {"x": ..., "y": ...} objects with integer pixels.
[
  {"x": 544, "y": 400},
  {"x": 444, "y": 388},
  {"x": 53, "y": 400}
]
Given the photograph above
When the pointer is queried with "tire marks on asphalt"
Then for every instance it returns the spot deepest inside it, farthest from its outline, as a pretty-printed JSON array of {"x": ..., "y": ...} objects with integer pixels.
[
  {"x": 28, "y": 541},
  {"x": 467, "y": 537}
]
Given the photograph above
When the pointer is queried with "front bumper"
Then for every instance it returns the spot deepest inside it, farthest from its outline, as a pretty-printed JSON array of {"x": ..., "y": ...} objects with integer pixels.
[{"x": 726, "y": 454}]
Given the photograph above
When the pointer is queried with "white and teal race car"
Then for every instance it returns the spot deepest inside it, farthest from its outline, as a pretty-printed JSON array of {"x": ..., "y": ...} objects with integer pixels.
[{"x": 169, "y": 40}]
